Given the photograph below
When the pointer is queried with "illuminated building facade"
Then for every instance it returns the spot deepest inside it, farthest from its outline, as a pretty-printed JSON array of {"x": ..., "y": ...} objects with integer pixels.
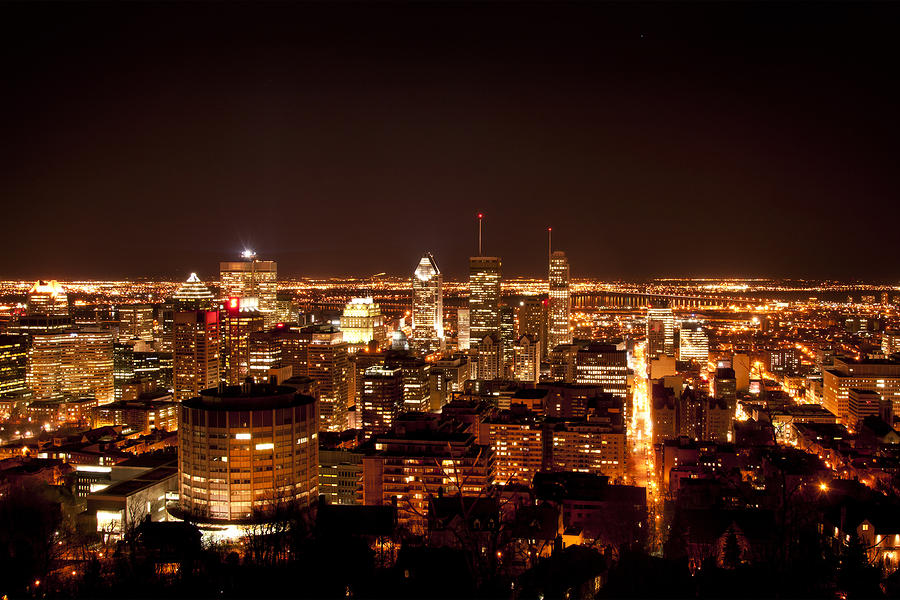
[
  {"x": 660, "y": 332},
  {"x": 484, "y": 297},
  {"x": 693, "y": 343},
  {"x": 882, "y": 376},
  {"x": 603, "y": 365},
  {"x": 382, "y": 399},
  {"x": 47, "y": 298},
  {"x": 489, "y": 361},
  {"x": 427, "y": 306},
  {"x": 589, "y": 446},
  {"x": 136, "y": 322},
  {"x": 559, "y": 331},
  {"x": 193, "y": 295},
  {"x": 196, "y": 352},
  {"x": 141, "y": 415},
  {"x": 890, "y": 342},
  {"x": 245, "y": 450},
  {"x": 363, "y": 322},
  {"x": 421, "y": 459},
  {"x": 532, "y": 319},
  {"x": 562, "y": 362},
  {"x": 72, "y": 363},
  {"x": 340, "y": 476},
  {"x": 241, "y": 319},
  {"x": 13, "y": 364},
  {"x": 463, "y": 330},
  {"x": 252, "y": 278},
  {"x": 328, "y": 363},
  {"x": 527, "y": 359},
  {"x": 785, "y": 361},
  {"x": 518, "y": 446}
]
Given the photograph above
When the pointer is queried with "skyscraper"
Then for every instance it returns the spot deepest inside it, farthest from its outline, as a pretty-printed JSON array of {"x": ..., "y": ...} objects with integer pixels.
[
  {"x": 193, "y": 295},
  {"x": 196, "y": 352},
  {"x": 252, "y": 278},
  {"x": 382, "y": 399},
  {"x": 428, "y": 306},
  {"x": 532, "y": 320},
  {"x": 559, "y": 330},
  {"x": 72, "y": 363},
  {"x": 660, "y": 332},
  {"x": 693, "y": 343},
  {"x": 484, "y": 297},
  {"x": 13, "y": 363},
  {"x": 241, "y": 318},
  {"x": 363, "y": 322},
  {"x": 136, "y": 322},
  {"x": 328, "y": 363},
  {"x": 47, "y": 298}
]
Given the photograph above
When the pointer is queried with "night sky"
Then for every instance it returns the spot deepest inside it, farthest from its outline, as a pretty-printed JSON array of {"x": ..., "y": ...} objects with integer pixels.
[{"x": 346, "y": 139}]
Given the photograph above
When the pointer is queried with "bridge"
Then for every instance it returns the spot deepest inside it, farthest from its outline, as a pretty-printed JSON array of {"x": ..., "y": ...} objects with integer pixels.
[{"x": 641, "y": 299}]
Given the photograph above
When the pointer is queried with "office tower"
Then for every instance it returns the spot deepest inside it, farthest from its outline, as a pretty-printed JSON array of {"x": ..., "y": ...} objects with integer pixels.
[
  {"x": 123, "y": 366},
  {"x": 890, "y": 342},
  {"x": 165, "y": 325},
  {"x": 151, "y": 410},
  {"x": 240, "y": 319},
  {"x": 882, "y": 376},
  {"x": 286, "y": 309},
  {"x": 427, "y": 306},
  {"x": 13, "y": 364},
  {"x": 47, "y": 298},
  {"x": 73, "y": 363},
  {"x": 448, "y": 376},
  {"x": 741, "y": 365},
  {"x": 484, "y": 297},
  {"x": 420, "y": 459},
  {"x": 725, "y": 385},
  {"x": 252, "y": 278},
  {"x": 718, "y": 415},
  {"x": 247, "y": 450},
  {"x": 527, "y": 359},
  {"x": 463, "y": 330},
  {"x": 563, "y": 359},
  {"x": 663, "y": 403},
  {"x": 559, "y": 331},
  {"x": 193, "y": 295},
  {"x": 136, "y": 322},
  {"x": 340, "y": 476},
  {"x": 489, "y": 358},
  {"x": 328, "y": 363},
  {"x": 382, "y": 399},
  {"x": 278, "y": 350},
  {"x": 362, "y": 322},
  {"x": 532, "y": 319},
  {"x": 153, "y": 368},
  {"x": 693, "y": 343},
  {"x": 784, "y": 361},
  {"x": 660, "y": 332},
  {"x": 508, "y": 335},
  {"x": 603, "y": 365},
  {"x": 196, "y": 352}
]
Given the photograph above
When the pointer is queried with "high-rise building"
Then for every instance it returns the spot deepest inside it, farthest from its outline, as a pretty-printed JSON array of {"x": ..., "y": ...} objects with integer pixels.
[
  {"x": 328, "y": 363},
  {"x": 489, "y": 360},
  {"x": 196, "y": 352},
  {"x": 532, "y": 319},
  {"x": 463, "y": 330},
  {"x": 890, "y": 342},
  {"x": 784, "y": 361},
  {"x": 484, "y": 297},
  {"x": 660, "y": 332},
  {"x": 123, "y": 366},
  {"x": 559, "y": 331},
  {"x": 247, "y": 450},
  {"x": 518, "y": 444},
  {"x": 693, "y": 343},
  {"x": 427, "y": 306},
  {"x": 508, "y": 336},
  {"x": 47, "y": 298},
  {"x": 527, "y": 359},
  {"x": 563, "y": 360},
  {"x": 252, "y": 278},
  {"x": 13, "y": 364},
  {"x": 362, "y": 322},
  {"x": 240, "y": 319},
  {"x": 193, "y": 295},
  {"x": 382, "y": 399},
  {"x": 603, "y": 365},
  {"x": 75, "y": 363},
  {"x": 136, "y": 322},
  {"x": 882, "y": 376}
]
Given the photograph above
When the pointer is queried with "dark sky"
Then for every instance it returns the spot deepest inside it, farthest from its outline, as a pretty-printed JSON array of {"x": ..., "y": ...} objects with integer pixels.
[{"x": 657, "y": 139}]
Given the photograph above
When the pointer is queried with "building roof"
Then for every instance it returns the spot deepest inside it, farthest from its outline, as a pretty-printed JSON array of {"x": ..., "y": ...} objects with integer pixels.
[{"x": 257, "y": 396}]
